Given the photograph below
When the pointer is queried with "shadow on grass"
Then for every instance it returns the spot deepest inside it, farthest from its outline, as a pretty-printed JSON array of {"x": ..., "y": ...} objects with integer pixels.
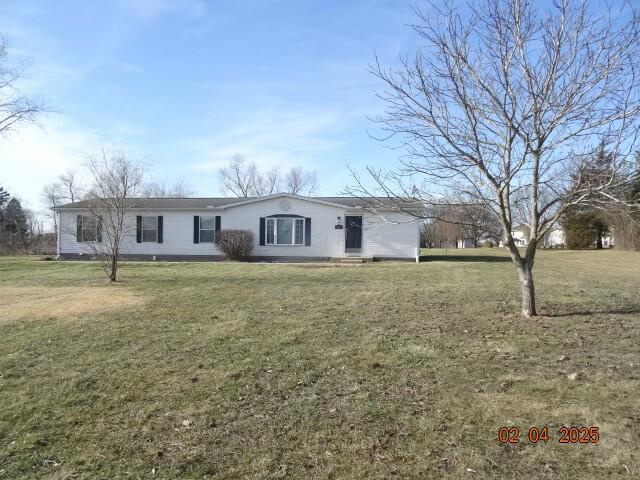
[
  {"x": 464, "y": 258},
  {"x": 634, "y": 310}
]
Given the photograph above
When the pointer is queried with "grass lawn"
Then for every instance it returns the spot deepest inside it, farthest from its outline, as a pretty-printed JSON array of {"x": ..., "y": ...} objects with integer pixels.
[{"x": 386, "y": 370}]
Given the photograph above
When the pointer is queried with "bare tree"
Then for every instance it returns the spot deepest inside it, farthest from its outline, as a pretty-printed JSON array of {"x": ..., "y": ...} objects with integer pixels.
[
  {"x": 267, "y": 184},
  {"x": 478, "y": 222},
  {"x": 15, "y": 108},
  {"x": 70, "y": 186},
  {"x": 238, "y": 177},
  {"x": 66, "y": 189},
  {"x": 243, "y": 179},
  {"x": 299, "y": 182},
  {"x": 504, "y": 103},
  {"x": 52, "y": 199},
  {"x": 117, "y": 181},
  {"x": 179, "y": 189}
]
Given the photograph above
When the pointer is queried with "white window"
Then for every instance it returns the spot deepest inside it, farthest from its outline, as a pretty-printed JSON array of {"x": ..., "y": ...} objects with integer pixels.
[
  {"x": 88, "y": 229},
  {"x": 149, "y": 229},
  {"x": 207, "y": 229},
  {"x": 285, "y": 231}
]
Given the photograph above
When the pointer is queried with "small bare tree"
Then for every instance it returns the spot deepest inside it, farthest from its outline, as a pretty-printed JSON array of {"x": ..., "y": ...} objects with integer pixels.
[
  {"x": 117, "y": 181},
  {"x": 15, "y": 108},
  {"x": 504, "y": 103}
]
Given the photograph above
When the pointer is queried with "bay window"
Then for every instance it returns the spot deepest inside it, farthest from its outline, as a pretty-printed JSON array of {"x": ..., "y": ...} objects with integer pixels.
[{"x": 285, "y": 231}]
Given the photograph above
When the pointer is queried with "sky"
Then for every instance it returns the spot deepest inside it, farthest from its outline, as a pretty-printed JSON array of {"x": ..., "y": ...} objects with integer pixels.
[{"x": 185, "y": 85}]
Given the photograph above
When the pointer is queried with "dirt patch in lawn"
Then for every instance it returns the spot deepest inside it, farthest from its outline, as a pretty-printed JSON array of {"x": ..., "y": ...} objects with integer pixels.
[{"x": 38, "y": 303}]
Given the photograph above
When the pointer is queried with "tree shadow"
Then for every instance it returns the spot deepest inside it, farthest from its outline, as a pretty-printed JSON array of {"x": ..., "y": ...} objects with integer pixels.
[
  {"x": 464, "y": 258},
  {"x": 632, "y": 310}
]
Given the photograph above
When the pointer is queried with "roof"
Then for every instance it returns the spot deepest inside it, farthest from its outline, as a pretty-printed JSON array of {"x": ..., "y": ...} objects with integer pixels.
[{"x": 226, "y": 202}]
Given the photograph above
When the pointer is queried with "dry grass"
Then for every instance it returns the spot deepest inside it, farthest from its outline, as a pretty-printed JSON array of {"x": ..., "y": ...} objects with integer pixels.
[
  {"x": 60, "y": 303},
  {"x": 276, "y": 371}
]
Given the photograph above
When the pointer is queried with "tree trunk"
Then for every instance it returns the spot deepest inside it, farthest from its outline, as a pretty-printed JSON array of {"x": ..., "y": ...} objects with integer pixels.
[
  {"x": 599, "y": 242},
  {"x": 528, "y": 290},
  {"x": 114, "y": 268}
]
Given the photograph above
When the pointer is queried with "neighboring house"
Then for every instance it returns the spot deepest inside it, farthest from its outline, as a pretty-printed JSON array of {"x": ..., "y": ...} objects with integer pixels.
[
  {"x": 285, "y": 226},
  {"x": 464, "y": 243},
  {"x": 521, "y": 235},
  {"x": 554, "y": 238},
  {"x": 482, "y": 242}
]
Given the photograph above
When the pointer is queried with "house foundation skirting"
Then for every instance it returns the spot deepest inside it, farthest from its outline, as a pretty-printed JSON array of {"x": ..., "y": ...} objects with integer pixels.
[{"x": 215, "y": 258}]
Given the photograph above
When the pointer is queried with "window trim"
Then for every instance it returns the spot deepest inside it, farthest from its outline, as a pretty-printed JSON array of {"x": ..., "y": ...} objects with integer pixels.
[
  {"x": 275, "y": 221},
  {"x": 200, "y": 229},
  {"x": 142, "y": 229},
  {"x": 83, "y": 228}
]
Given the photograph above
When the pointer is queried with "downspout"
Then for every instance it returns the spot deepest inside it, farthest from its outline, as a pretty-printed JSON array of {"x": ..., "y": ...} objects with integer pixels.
[{"x": 57, "y": 212}]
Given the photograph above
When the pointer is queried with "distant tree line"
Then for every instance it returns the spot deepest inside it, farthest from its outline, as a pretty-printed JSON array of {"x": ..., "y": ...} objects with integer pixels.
[
  {"x": 243, "y": 179},
  {"x": 21, "y": 230},
  {"x": 584, "y": 225},
  {"x": 462, "y": 221}
]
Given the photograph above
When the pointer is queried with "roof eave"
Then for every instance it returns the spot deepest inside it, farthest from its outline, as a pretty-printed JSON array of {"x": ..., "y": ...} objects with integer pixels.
[{"x": 284, "y": 195}]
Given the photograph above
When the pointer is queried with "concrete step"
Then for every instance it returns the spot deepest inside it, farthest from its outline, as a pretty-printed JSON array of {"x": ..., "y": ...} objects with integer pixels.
[{"x": 349, "y": 260}]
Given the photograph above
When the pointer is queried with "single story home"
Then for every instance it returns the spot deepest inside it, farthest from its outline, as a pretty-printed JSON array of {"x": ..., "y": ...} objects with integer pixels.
[{"x": 286, "y": 227}]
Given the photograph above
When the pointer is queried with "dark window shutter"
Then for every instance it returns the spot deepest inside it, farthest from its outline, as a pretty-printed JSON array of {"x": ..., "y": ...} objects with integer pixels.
[
  {"x": 78, "y": 228},
  {"x": 262, "y": 231},
  {"x": 99, "y": 230},
  {"x": 160, "y": 224},
  {"x": 307, "y": 231},
  {"x": 218, "y": 222},
  {"x": 196, "y": 229},
  {"x": 139, "y": 229}
]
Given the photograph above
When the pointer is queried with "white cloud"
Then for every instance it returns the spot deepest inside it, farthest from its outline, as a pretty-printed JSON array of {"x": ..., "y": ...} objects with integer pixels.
[
  {"x": 270, "y": 139},
  {"x": 150, "y": 9},
  {"x": 35, "y": 155}
]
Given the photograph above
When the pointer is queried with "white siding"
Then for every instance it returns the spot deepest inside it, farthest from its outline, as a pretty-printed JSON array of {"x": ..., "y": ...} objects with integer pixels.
[
  {"x": 326, "y": 241},
  {"x": 177, "y": 235},
  {"x": 380, "y": 239},
  {"x": 393, "y": 235}
]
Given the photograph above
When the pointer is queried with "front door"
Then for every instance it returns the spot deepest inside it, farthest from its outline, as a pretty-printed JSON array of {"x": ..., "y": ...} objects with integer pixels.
[{"x": 353, "y": 233}]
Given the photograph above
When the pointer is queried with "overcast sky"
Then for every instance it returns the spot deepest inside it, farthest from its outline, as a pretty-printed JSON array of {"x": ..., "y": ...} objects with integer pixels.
[{"x": 184, "y": 85}]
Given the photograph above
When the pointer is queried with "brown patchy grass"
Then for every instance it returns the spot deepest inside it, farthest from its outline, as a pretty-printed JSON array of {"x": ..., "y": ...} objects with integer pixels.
[
  {"x": 275, "y": 371},
  {"x": 59, "y": 303}
]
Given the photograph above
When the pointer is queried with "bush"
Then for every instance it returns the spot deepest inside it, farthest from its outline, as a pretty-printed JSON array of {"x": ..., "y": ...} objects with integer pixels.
[{"x": 235, "y": 244}]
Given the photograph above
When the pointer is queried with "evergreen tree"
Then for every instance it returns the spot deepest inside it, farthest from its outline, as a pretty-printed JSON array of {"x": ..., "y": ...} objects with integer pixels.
[
  {"x": 15, "y": 228},
  {"x": 626, "y": 223},
  {"x": 583, "y": 229},
  {"x": 586, "y": 224},
  {"x": 4, "y": 196}
]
